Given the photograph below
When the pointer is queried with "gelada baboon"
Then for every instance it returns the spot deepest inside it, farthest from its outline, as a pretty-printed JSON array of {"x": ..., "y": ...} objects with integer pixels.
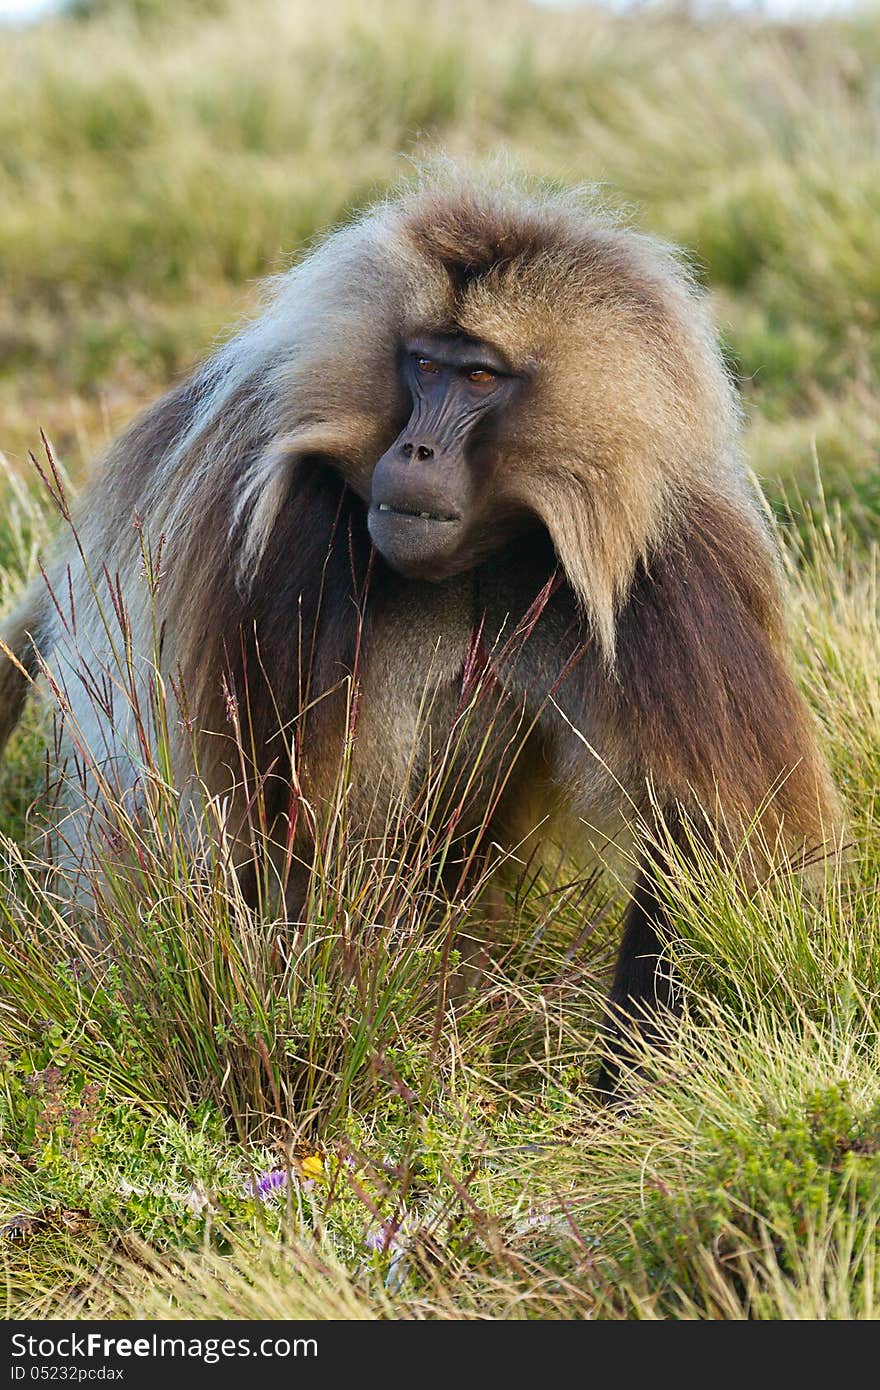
[{"x": 479, "y": 430}]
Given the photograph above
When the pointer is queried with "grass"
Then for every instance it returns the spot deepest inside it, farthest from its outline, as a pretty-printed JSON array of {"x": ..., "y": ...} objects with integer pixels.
[{"x": 431, "y": 1165}]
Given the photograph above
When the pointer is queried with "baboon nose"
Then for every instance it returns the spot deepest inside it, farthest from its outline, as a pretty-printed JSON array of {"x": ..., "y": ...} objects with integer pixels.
[{"x": 422, "y": 453}]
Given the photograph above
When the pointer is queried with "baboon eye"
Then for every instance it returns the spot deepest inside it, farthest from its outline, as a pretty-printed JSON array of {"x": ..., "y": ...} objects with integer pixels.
[
  {"x": 480, "y": 377},
  {"x": 425, "y": 364}
]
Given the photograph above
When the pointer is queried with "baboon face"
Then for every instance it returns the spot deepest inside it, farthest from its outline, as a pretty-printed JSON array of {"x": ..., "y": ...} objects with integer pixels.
[{"x": 434, "y": 508}]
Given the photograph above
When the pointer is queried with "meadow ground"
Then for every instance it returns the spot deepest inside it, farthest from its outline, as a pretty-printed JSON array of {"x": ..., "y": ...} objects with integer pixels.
[{"x": 155, "y": 160}]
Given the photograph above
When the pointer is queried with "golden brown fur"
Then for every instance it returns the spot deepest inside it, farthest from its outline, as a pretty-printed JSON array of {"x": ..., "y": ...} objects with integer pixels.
[{"x": 652, "y": 666}]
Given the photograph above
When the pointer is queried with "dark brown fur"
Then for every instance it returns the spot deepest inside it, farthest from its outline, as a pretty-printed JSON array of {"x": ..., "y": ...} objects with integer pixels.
[
  {"x": 703, "y": 682},
  {"x": 19, "y": 661}
]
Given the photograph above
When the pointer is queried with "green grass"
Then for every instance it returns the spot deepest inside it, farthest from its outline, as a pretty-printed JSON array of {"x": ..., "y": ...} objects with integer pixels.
[{"x": 155, "y": 160}]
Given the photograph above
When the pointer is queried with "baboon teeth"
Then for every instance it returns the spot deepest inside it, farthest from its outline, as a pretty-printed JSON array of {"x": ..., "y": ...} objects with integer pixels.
[{"x": 423, "y": 516}]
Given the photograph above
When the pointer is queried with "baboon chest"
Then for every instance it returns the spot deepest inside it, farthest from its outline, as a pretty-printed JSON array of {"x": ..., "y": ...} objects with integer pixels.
[{"x": 461, "y": 687}]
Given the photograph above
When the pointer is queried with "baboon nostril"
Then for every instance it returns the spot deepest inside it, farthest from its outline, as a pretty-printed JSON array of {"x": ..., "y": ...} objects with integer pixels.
[{"x": 422, "y": 452}]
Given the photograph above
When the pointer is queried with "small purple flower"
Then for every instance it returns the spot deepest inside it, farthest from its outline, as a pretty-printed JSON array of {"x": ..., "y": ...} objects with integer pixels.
[
  {"x": 384, "y": 1237},
  {"x": 267, "y": 1183}
]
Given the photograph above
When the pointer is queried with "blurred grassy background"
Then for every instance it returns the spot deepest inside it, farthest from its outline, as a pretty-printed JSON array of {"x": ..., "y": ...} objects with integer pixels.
[{"x": 156, "y": 158}]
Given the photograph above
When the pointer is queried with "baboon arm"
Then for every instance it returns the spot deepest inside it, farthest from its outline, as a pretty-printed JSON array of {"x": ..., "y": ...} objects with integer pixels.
[
  {"x": 19, "y": 662},
  {"x": 724, "y": 738},
  {"x": 644, "y": 985}
]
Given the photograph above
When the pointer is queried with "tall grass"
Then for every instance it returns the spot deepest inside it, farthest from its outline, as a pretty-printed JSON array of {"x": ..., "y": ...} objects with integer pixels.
[
  {"x": 430, "y": 1160},
  {"x": 460, "y": 1165}
]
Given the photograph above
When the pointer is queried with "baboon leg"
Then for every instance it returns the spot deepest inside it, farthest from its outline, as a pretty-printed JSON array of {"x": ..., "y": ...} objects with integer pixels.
[
  {"x": 644, "y": 984},
  {"x": 18, "y": 656}
]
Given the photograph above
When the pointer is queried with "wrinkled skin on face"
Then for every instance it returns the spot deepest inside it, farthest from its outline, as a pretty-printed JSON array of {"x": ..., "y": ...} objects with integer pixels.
[{"x": 433, "y": 511}]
